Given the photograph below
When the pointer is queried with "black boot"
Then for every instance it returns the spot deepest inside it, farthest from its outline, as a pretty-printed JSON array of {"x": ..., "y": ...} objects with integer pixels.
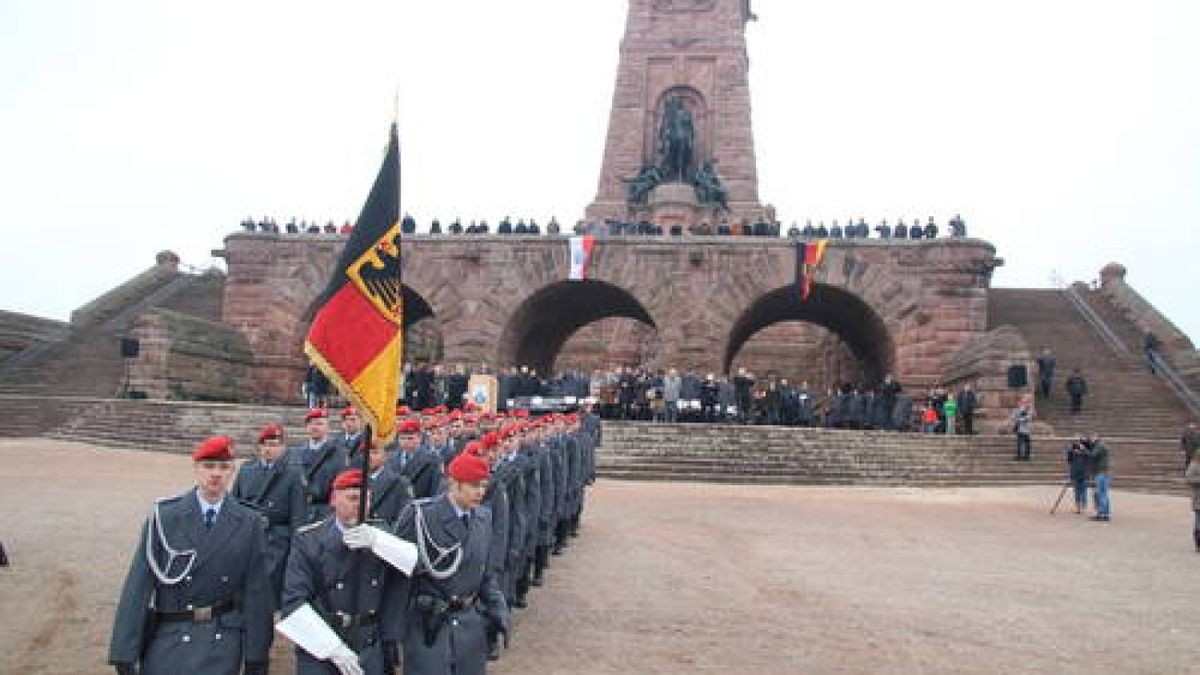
[
  {"x": 573, "y": 528},
  {"x": 540, "y": 558},
  {"x": 493, "y": 645}
]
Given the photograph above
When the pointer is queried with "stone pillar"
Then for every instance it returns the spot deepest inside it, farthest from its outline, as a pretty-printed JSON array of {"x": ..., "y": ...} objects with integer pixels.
[{"x": 694, "y": 50}]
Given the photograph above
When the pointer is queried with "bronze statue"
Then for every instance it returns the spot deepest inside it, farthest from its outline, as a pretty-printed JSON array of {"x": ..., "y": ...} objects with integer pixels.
[
  {"x": 708, "y": 187},
  {"x": 640, "y": 186},
  {"x": 676, "y": 140}
]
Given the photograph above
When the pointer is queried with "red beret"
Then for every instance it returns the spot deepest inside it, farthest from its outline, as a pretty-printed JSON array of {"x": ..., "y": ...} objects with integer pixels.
[
  {"x": 270, "y": 432},
  {"x": 409, "y": 427},
  {"x": 473, "y": 448},
  {"x": 215, "y": 449},
  {"x": 349, "y": 411},
  {"x": 403, "y": 411},
  {"x": 315, "y": 414},
  {"x": 490, "y": 440},
  {"x": 350, "y": 478},
  {"x": 468, "y": 468}
]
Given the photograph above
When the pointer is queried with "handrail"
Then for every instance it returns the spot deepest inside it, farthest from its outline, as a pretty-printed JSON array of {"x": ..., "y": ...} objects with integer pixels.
[
  {"x": 1097, "y": 322},
  {"x": 1174, "y": 381}
]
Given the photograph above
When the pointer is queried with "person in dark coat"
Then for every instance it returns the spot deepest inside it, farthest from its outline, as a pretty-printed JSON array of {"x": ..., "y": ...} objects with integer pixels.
[
  {"x": 390, "y": 492},
  {"x": 422, "y": 468},
  {"x": 343, "y": 596},
  {"x": 743, "y": 382},
  {"x": 275, "y": 490},
  {"x": 319, "y": 461},
  {"x": 1076, "y": 389},
  {"x": 452, "y": 595},
  {"x": 967, "y": 403},
  {"x": 197, "y": 598},
  {"x": 1046, "y": 364},
  {"x": 1077, "y": 470}
]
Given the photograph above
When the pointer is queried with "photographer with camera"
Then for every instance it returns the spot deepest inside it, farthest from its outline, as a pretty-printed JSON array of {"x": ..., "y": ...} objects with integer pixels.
[{"x": 1077, "y": 469}]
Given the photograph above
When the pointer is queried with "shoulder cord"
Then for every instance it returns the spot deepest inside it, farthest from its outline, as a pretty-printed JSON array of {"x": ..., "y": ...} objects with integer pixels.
[
  {"x": 424, "y": 541},
  {"x": 155, "y": 526}
]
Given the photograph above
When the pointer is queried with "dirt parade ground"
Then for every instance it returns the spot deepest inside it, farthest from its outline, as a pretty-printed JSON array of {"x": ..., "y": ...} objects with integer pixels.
[{"x": 685, "y": 578}]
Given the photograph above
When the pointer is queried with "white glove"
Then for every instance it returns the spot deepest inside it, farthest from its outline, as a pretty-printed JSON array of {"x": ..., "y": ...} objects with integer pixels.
[
  {"x": 359, "y": 536},
  {"x": 346, "y": 661},
  {"x": 391, "y": 549}
]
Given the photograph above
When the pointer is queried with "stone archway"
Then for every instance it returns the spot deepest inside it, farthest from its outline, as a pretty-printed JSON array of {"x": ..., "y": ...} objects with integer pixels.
[
  {"x": 845, "y": 315},
  {"x": 540, "y": 326}
]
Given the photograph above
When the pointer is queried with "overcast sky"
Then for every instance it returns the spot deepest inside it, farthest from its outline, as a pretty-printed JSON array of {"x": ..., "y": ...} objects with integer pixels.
[{"x": 1067, "y": 132}]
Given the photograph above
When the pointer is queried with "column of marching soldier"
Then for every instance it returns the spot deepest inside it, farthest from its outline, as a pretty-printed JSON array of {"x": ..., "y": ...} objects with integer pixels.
[{"x": 465, "y": 511}]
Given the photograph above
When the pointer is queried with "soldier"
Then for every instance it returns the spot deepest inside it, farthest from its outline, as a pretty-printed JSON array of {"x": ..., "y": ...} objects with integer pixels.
[
  {"x": 320, "y": 460},
  {"x": 197, "y": 598},
  {"x": 453, "y": 595},
  {"x": 390, "y": 492},
  {"x": 352, "y": 432},
  {"x": 422, "y": 468},
  {"x": 497, "y": 499},
  {"x": 343, "y": 606},
  {"x": 276, "y": 491}
]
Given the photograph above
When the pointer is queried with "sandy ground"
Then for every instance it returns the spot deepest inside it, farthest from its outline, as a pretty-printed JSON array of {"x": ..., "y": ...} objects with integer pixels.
[{"x": 679, "y": 578}]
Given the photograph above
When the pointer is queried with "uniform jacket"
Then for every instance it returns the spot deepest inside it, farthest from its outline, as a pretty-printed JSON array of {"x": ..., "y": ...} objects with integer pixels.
[
  {"x": 460, "y": 646},
  {"x": 333, "y": 579},
  {"x": 229, "y": 566}
]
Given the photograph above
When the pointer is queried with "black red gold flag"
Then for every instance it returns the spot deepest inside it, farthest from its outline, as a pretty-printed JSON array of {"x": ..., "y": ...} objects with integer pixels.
[{"x": 356, "y": 337}]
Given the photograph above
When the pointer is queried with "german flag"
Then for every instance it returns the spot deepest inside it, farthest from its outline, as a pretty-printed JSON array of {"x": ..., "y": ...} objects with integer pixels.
[
  {"x": 808, "y": 258},
  {"x": 356, "y": 337}
]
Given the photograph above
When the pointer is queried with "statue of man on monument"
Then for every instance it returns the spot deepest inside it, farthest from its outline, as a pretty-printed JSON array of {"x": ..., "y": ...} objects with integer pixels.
[{"x": 676, "y": 140}]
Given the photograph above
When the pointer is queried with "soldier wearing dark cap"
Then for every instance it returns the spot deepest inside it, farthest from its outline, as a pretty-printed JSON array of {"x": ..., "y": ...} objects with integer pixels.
[
  {"x": 453, "y": 596},
  {"x": 343, "y": 597},
  {"x": 275, "y": 490},
  {"x": 197, "y": 598}
]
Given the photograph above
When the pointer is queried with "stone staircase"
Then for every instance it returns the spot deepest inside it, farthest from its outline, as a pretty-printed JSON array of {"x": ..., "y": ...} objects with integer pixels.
[
  {"x": 1124, "y": 399},
  {"x": 87, "y": 361},
  {"x": 781, "y": 455},
  {"x": 164, "y": 426}
]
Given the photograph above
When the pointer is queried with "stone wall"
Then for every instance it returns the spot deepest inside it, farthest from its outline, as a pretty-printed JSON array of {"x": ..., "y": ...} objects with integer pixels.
[
  {"x": 983, "y": 363},
  {"x": 188, "y": 358},
  {"x": 905, "y": 306},
  {"x": 1176, "y": 347},
  {"x": 137, "y": 289}
]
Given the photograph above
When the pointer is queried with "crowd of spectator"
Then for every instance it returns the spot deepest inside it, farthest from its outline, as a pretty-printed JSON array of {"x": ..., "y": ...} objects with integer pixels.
[
  {"x": 956, "y": 227},
  {"x": 642, "y": 394}
]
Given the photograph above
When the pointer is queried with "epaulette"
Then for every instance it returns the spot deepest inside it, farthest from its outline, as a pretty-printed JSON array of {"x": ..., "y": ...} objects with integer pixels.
[
  {"x": 311, "y": 526},
  {"x": 167, "y": 500}
]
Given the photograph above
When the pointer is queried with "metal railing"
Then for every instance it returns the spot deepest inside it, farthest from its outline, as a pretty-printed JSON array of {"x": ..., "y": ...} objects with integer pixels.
[{"x": 1157, "y": 364}]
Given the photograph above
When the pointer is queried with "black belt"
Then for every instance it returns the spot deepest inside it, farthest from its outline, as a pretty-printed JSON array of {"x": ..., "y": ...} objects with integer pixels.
[
  {"x": 344, "y": 621},
  {"x": 197, "y": 614}
]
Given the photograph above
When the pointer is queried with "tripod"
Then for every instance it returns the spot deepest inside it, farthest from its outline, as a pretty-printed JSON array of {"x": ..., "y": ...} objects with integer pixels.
[{"x": 1061, "y": 493}]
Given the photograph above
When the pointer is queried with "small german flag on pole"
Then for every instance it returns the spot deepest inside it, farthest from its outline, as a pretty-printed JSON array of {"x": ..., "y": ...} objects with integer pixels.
[
  {"x": 808, "y": 258},
  {"x": 357, "y": 334}
]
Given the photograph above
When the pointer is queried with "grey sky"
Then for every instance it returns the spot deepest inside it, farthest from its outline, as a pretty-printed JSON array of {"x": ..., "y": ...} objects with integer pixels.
[{"x": 1066, "y": 132}]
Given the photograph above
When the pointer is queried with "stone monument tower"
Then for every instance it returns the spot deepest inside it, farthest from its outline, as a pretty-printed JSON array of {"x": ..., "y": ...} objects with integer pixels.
[{"x": 680, "y": 150}]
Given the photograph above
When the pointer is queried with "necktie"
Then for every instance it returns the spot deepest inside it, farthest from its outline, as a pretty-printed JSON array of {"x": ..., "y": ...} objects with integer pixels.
[
  {"x": 210, "y": 517},
  {"x": 466, "y": 518}
]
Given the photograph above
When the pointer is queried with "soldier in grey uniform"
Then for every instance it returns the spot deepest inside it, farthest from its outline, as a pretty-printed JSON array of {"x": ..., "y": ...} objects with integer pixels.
[
  {"x": 422, "y": 468},
  {"x": 390, "y": 492},
  {"x": 320, "y": 460},
  {"x": 496, "y": 499},
  {"x": 352, "y": 431},
  {"x": 197, "y": 598},
  {"x": 342, "y": 603},
  {"x": 276, "y": 491},
  {"x": 453, "y": 595}
]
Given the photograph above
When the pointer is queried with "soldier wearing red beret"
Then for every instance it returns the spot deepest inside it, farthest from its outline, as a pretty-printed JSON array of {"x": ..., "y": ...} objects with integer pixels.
[
  {"x": 453, "y": 595},
  {"x": 275, "y": 489},
  {"x": 343, "y": 598},
  {"x": 411, "y": 459},
  {"x": 197, "y": 598},
  {"x": 319, "y": 460}
]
